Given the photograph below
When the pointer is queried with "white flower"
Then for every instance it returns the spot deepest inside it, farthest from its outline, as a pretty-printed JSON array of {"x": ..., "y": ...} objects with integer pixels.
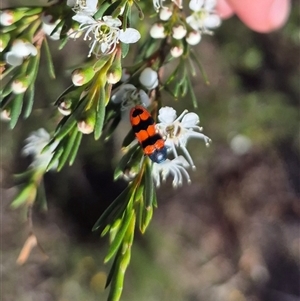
[
  {"x": 88, "y": 7},
  {"x": 149, "y": 78},
  {"x": 19, "y": 51},
  {"x": 176, "y": 167},
  {"x": 177, "y": 131},
  {"x": 34, "y": 146},
  {"x": 129, "y": 96},
  {"x": 105, "y": 34},
  {"x": 204, "y": 16}
]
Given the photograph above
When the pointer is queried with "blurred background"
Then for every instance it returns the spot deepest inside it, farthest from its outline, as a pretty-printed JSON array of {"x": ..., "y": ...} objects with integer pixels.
[{"x": 232, "y": 235}]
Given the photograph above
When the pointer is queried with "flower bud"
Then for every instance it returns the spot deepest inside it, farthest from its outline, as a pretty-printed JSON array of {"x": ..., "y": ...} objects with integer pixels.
[
  {"x": 65, "y": 107},
  {"x": 157, "y": 31},
  {"x": 5, "y": 115},
  {"x": 4, "y": 40},
  {"x": 20, "y": 85},
  {"x": 193, "y": 37},
  {"x": 179, "y": 32},
  {"x": 82, "y": 76},
  {"x": 114, "y": 73},
  {"x": 9, "y": 17},
  {"x": 149, "y": 78},
  {"x": 165, "y": 13},
  {"x": 176, "y": 51},
  {"x": 87, "y": 124}
]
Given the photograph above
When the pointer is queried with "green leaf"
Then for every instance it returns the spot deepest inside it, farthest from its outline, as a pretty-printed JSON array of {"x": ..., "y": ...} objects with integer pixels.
[
  {"x": 122, "y": 198},
  {"x": 29, "y": 99},
  {"x": 124, "y": 49},
  {"x": 196, "y": 60},
  {"x": 25, "y": 194},
  {"x": 120, "y": 235},
  {"x": 63, "y": 42},
  {"x": 75, "y": 148},
  {"x": 56, "y": 154},
  {"x": 49, "y": 60},
  {"x": 68, "y": 146},
  {"x": 16, "y": 108},
  {"x": 114, "y": 267},
  {"x": 114, "y": 228},
  {"x": 102, "y": 8},
  {"x": 100, "y": 63},
  {"x": 123, "y": 258},
  {"x": 149, "y": 186},
  {"x": 147, "y": 216},
  {"x": 193, "y": 95},
  {"x": 69, "y": 124},
  {"x": 100, "y": 114},
  {"x": 123, "y": 163}
]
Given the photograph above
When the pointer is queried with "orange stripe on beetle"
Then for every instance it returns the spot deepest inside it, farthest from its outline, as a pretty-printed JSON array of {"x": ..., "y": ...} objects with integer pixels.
[{"x": 143, "y": 126}]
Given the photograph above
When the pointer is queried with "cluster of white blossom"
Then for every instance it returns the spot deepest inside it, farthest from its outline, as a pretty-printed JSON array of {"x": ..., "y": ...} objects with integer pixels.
[
  {"x": 177, "y": 131},
  {"x": 104, "y": 33},
  {"x": 202, "y": 20}
]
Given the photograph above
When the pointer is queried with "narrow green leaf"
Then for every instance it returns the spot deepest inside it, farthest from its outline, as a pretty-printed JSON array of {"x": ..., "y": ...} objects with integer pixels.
[
  {"x": 196, "y": 60},
  {"x": 141, "y": 213},
  {"x": 63, "y": 42},
  {"x": 154, "y": 201},
  {"x": 5, "y": 29},
  {"x": 101, "y": 62},
  {"x": 125, "y": 160},
  {"x": 123, "y": 260},
  {"x": 149, "y": 186},
  {"x": 49, "y": 60},
  {"x": 102, "y": 8},
  {"x": 24, "y": 175},
  {"x": 124, "y": 49},
  {"x": 114, "y": 228},
  {"x": 56, "y": 154},
  {"x": 120, "y": 235},
  {"x": 16, "y": 109},
  {"x": 193, "y": 95},
  {"x": 100, "y": 114},
  {"x": 29, "y": 99},
  {"x": 68, "y": 146},
  {"x": 147, "y": 216},
  {"x": 113, "y": 268},
  {"x": 75, "y": 148},
  {"x": 123, "y": 196},
  {"x": 67, "y": 127},
  {"x": 6, "y": 89},
  {"x": 27, "y": 193}
]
